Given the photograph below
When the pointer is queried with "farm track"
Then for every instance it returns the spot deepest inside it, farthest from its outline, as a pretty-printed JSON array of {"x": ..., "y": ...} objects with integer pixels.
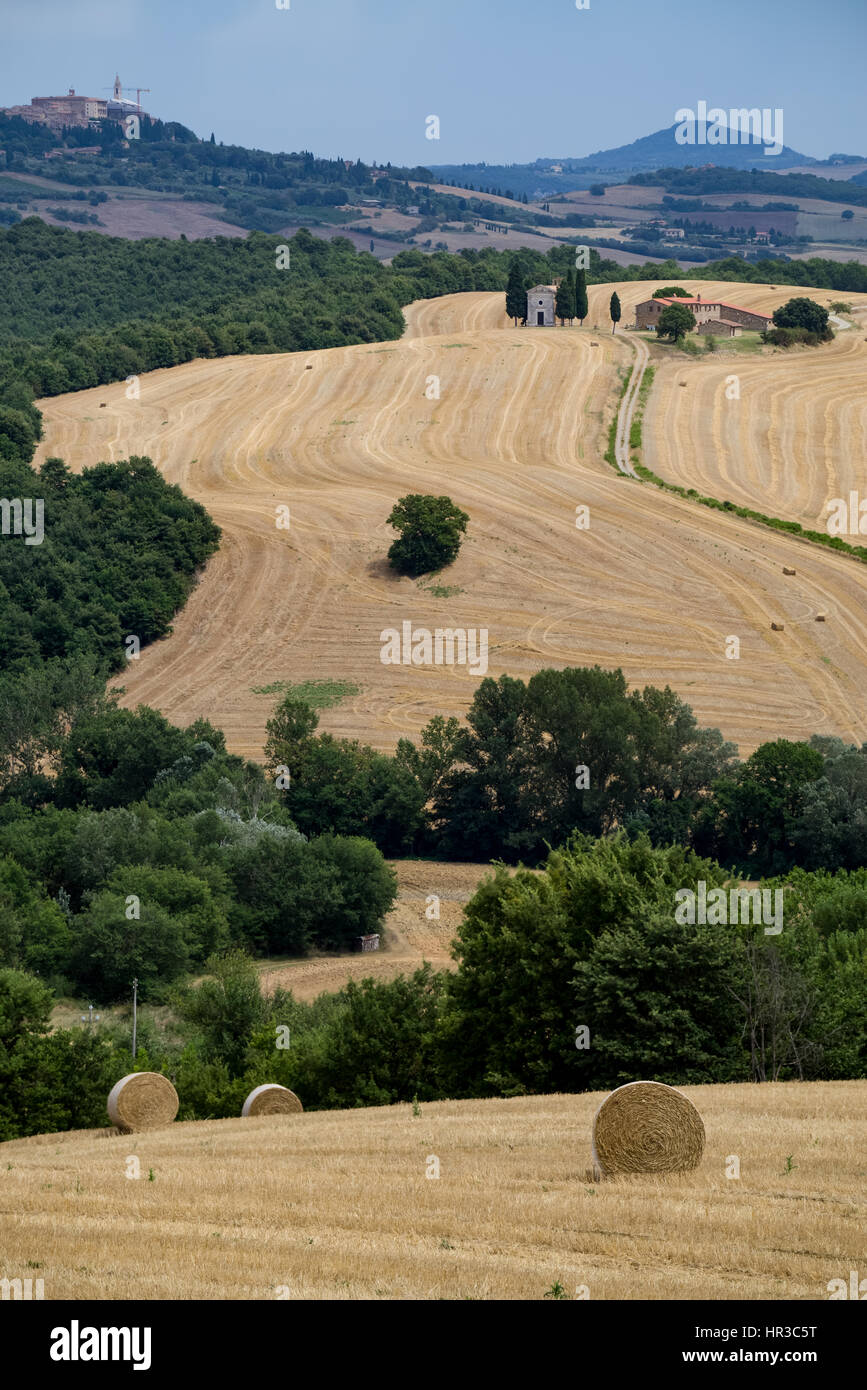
[
  {"x": 628, "y": 406},
  {"x": 517, "y": 438}
]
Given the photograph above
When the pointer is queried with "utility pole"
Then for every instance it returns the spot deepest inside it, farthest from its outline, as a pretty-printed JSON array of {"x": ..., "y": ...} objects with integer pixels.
[{"x": 134, "y": 1014}]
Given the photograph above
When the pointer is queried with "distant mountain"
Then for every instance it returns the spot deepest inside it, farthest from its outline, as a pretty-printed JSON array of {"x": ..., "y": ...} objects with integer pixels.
[
  {"x": 662, "y": 151},
  {"x": 657, "y": 151}
]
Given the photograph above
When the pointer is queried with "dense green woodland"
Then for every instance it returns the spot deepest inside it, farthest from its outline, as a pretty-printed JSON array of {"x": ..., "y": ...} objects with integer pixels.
[{"x": 119, "y": 556}]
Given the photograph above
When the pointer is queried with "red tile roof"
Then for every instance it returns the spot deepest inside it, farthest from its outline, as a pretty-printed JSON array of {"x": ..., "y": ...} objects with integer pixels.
[{"x": 716, "y": 304}]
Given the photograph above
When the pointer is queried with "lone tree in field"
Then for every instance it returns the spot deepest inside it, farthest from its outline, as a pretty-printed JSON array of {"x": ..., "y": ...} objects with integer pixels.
[
  {"x": 675, "y": 322},
  {"x": 430, "y": 533},
  {"x": 581, "y": 295},
  {"x": 671, "y": 292},
  {"x": 516, "y": 294},
  {"x": 614, "y": 311},
  {"x": 803, "y": 313}
]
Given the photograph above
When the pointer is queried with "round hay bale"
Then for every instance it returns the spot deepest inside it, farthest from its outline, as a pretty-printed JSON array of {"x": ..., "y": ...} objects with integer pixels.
[
  {"x": 142, "y": 1100},
  {"x": 272, "y": 1100},
  {"x": 646, "y": 1127}
]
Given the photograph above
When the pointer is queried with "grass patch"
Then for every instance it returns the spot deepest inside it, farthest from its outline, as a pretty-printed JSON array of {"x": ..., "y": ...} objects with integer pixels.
[
  {"x": 316, "y": 694},
  {"x": 749, "y": 343},
  {"x": 610, "y": 455},
  {"x": 794, "y": 528},
  {"x": 641, "y": 402},
  {"x": 440, "y": 590},
  {"x": 13, "y": 189}
]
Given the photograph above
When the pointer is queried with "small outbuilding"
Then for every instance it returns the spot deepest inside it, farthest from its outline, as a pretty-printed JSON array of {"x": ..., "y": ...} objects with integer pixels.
[
  {"x": 540, "y": 306},
  {"x": 367, "y": 943}
]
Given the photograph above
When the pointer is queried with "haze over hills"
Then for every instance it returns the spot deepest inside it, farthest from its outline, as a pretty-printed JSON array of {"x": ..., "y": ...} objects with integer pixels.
[{"x": 649, "y": 152}]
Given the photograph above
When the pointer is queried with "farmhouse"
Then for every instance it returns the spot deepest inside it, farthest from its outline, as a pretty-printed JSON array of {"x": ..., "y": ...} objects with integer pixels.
[
  {"x": 711, "y": 316},
  {"x": 540, "y": 306}
]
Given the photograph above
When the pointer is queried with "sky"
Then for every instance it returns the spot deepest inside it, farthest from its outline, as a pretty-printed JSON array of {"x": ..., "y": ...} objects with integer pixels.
[{"x": 510, "y": 80}]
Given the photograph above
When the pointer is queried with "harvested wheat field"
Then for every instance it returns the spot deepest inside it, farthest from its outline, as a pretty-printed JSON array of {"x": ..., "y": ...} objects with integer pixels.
[
  {"x": 795, "y": 438},
  {"x": 337, "y": 1204},
  {"x": 408, "y": 936},
  {"x": 655, "y": 585}
]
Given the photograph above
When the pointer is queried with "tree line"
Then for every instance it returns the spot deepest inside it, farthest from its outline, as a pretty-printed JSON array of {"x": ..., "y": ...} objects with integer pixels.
[
  {"x": 577, "y": 750},
  {"x": 84, "y": 310},
  {"x": 574, "y": 977}
]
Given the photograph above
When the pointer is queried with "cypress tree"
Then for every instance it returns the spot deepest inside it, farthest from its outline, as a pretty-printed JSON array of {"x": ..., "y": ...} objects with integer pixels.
[
  {"x": 516, "y": 294},
  {"x": 581, "y": 295},
  {"x": 563, "y": 302},
  {"x": 614, "y": 311}
]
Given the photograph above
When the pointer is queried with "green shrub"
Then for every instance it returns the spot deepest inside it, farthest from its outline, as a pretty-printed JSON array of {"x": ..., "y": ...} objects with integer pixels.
[{"x": 430, "y": 533}]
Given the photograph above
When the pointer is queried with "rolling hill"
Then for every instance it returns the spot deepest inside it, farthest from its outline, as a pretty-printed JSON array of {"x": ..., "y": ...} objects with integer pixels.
[{"x": 655, "y": 585}]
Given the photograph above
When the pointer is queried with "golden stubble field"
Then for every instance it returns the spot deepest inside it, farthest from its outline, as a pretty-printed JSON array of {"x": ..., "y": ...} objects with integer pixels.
[
  {"x": 793, "y": 439},
  {"x": 656, "y": 585},
  {"x": 337, "y": 1204}
]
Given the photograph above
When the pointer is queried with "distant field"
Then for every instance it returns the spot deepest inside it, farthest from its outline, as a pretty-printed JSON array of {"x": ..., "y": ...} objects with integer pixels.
[
  {"x": 337, "y": 1204},
  {"x": 134, "y": 214},
  {"x": 12, "y": 189},
  {"x": 796, "y": 437},
  {"x": 409, "y": 936},
  {"x": 830, "y": 225}
]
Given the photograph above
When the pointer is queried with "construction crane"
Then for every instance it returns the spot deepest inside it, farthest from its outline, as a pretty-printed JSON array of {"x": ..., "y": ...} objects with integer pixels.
[{"x": 115, "y": 87}]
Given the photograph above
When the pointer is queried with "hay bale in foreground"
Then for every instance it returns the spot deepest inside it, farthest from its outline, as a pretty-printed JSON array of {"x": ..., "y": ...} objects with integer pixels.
[
  {"x": 272, "y": 1100},
  {"x": 646, "y": 1127},
  {"x": 142, "y": 1100}
]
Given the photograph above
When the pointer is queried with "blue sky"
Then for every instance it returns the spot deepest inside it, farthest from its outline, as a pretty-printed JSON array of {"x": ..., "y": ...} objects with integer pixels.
[{"x": 511, "y": 80}]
